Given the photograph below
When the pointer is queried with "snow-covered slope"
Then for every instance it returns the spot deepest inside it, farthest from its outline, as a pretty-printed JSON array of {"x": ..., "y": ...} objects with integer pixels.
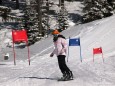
[{"x": 44, "y": 70}]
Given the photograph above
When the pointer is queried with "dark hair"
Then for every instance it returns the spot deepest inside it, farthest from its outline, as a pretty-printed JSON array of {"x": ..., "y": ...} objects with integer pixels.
[
  {"x": 56, "y": 37},
  {"x": 61, "y": 36}
]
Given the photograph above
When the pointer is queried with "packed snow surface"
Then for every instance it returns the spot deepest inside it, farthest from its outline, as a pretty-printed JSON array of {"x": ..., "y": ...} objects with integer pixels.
[{"x": 44, "y": 71}]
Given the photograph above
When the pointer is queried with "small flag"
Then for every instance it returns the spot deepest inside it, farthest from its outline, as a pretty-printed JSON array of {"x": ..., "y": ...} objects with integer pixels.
[
  {"x": 74, "y": 42},
  {"x": 19, "y": 35},
  {"x": 97, "y": 50}
]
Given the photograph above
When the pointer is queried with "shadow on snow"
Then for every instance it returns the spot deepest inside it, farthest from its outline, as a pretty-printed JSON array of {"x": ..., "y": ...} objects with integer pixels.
[{"x": 40, "y": 78}]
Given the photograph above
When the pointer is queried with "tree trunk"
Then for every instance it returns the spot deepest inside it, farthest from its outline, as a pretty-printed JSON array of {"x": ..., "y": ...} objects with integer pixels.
[
  {"x": 17, "y": 4},
  {"x": 39, "y": 15},
  {"x": 61, "y": 2},
  {"x": 0, "y": 1}
]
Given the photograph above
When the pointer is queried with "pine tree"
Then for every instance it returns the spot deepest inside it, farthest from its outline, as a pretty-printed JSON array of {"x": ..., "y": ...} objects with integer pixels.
[
  {"x": 35, "y": 20},
  {"x": 112, "y": 3},
  {"x": 4, "y": 11},
  {"x": 96, "y": 9},
  {"x": 30, "y": 23},
  {"x": 62, "y": 16},
  {"x": 62, "y": 19}
]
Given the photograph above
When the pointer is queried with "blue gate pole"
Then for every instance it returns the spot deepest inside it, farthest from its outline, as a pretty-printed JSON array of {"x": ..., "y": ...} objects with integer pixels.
[
  {"x": 80, "y": 54},
  {"x": 80, "y": 50},
  {"x": 68, "y": 51}
]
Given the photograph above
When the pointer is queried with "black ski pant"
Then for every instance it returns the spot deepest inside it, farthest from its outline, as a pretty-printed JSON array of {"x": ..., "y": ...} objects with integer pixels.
[{"x": 62, "y": 64}]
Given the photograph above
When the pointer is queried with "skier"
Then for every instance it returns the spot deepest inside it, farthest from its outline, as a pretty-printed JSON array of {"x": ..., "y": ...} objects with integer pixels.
[{"x": 60, "y": 50}]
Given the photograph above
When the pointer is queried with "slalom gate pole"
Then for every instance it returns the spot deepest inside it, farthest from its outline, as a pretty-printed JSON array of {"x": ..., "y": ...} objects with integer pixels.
[
  {"x": 80, "y": 54},
  {"x": 14, "y": 55},
  {"x": 28, "y": 52},
  {"x": 80, "y": 50},
  {"x": 102, "y": 57},
  {"x": 93, "y": 57},
  {"x": 68, "y": 51}
]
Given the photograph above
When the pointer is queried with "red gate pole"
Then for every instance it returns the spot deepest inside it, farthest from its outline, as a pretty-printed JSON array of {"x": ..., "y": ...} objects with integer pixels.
[
  {"x": 102, "y": 57},
  {"x": 14, "y": 55},
  {"x": 93, "y": 54},
  {"x": 28, "y": 53},
  {"x": 93, "y": 57}
]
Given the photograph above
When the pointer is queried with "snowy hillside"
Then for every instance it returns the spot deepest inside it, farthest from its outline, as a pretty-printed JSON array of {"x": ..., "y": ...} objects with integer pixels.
[{"x": 44, "y": 70}]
